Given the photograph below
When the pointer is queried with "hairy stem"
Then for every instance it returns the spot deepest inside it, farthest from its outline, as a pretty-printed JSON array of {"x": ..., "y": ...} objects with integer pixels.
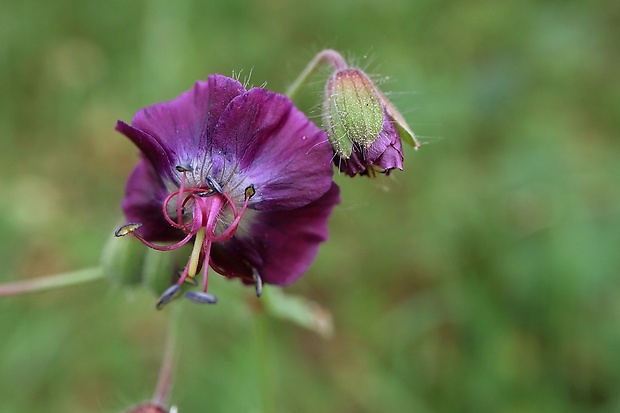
[
  {"x": 326, "y": 56},
  {"x": 166, "y": 371}
]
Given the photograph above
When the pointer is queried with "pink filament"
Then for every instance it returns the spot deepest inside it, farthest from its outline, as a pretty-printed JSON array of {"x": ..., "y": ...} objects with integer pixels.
[{"x": 205, "y": 214}]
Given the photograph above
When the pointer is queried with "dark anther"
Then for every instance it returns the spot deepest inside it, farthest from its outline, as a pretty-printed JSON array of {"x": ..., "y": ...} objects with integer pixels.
[
  {"x": 206, "y": 194},
  {"x": 258, "y": 282},
  {"x": 183, "y": 168},
  {"x": 170, "y": 294},
  {"x": 250, "y": 191},
  {"x": 126, "y": 229},
  {"x": 214, "y": 185},
  {"x": 201, "y": 298}
]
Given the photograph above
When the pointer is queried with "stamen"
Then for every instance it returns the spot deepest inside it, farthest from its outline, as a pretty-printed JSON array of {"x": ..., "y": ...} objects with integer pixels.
[
  {"x": 179, "y": 199},
  {"x": 206, "y": 249},
  {"x": 201, "y": 298},
  {"x": 198, "y": 213},
  {"x": 164, "y": 247},
  {"x": 258, "y": 282},
  {"x": 170, "y": 294},
  {"x": 127, "y": 229},
  {"x": 183, "y": 168},
  {"x": 212, "y": 183},
  {"x": 230, "y": 231},
  {"x": 250, "y": 191}
]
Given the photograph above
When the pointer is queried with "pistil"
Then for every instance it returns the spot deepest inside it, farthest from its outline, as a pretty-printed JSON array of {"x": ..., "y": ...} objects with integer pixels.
[{"x": 206, "y": 206}]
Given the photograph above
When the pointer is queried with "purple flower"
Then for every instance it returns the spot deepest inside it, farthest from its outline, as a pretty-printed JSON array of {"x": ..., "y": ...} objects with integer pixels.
[
  {"x": 364, "y": 128},
  {"x": 243, "y": 174}
]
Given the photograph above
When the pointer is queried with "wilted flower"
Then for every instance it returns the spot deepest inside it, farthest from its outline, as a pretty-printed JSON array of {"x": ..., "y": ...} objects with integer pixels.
[
  {"x": 243, "y": 174},
  {"x": 364, "y": 128}
]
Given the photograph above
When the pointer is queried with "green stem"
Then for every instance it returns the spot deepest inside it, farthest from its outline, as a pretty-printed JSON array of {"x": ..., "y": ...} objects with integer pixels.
[
  {"x": 51, "y": 282},
  {"x": 166, "y": 370},
  {"x": 326, "y": 56}
]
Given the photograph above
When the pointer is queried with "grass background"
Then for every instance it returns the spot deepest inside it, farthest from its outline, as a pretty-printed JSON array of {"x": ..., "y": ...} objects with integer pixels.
[{"x": 483, "y": 278}]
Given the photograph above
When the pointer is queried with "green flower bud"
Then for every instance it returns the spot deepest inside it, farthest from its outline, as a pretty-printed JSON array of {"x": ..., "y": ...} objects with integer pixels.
[
  {"x": 352, "y": 111},
  {"x": 126, "y": 261},
  {"x": 122, "y": 260},
  {"x": 161, "y": 269}
]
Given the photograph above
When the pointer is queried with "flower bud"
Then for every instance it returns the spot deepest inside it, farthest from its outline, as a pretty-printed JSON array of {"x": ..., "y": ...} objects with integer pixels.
[
  {"x": 363, "y": 126},
  {"x": 160, "y": 269},
  {"x": 352, "y": 112},
  {"x": 122, "y": 260},
  {"x": 127, "y": 262}
]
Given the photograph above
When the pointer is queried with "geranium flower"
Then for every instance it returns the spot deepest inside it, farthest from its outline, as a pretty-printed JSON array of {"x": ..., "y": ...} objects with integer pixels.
[{"x": 242, "y": 174}]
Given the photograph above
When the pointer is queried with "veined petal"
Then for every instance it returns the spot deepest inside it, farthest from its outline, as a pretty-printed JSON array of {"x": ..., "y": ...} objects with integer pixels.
[
  {"x": 280, "y": 245},
  {"x": 159, "y": 155},
  {"x": 185, "y": 125},
  {"x": 265, "y": 141}
]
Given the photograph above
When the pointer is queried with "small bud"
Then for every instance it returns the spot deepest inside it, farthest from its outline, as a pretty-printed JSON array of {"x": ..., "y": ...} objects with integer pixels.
[{"x": 352, "y": 111}]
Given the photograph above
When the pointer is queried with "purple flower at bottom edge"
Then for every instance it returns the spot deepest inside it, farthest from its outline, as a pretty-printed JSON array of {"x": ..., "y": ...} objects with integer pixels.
[{"x": 243, "y": 174}]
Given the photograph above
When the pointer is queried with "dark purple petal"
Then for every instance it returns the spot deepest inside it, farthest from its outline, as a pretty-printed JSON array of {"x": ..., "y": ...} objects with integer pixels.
[
  {"x": 144, "y": 197},
  {"x": 280, "y": 245},
  {"x": 264, "y": 140},
  {"x": 385, "y": 153},
  {"x": 182, "y": 128},
  {"x": 160, "y": 156}
]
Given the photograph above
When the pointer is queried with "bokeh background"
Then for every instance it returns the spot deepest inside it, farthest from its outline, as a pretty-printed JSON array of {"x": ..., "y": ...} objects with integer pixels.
[{"x": 483, "y": 278}]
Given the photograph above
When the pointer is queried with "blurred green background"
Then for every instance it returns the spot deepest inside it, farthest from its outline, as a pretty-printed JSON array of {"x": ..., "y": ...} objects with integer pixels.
[{"x": 483, "y": 278}]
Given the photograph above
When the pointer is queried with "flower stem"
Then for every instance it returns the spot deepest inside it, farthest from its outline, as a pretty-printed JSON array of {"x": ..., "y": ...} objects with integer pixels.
[
  {"x": 51, "y": 282},
  {"x": 326, "y": 56},
  {"x": 166, "y": 370}
]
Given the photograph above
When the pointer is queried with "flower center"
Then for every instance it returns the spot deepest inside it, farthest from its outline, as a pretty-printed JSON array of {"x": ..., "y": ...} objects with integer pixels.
[{"x": 201, "y": 214}]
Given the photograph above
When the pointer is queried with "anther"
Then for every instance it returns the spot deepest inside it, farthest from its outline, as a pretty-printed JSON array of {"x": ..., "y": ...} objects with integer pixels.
[
  {"x": 126, "y": 229},
  {"x": 214, "y": 185},
  {"x": 170, "y": 294},
  {"x": 249, "y": 192},
  {"x": 183, "y": 168},
  {"x": 206, "y": 194},
  {"x": 200, "y": 297},
  {"x": 258, "y": 282}
]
